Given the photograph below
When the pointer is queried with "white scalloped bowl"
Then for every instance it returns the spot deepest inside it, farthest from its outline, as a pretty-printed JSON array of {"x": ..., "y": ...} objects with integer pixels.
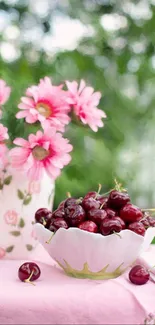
[{"x": 83, "y": 254}]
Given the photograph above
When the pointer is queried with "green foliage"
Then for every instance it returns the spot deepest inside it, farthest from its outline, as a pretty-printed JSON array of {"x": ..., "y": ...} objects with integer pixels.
[{"x": 120, "y": 63}]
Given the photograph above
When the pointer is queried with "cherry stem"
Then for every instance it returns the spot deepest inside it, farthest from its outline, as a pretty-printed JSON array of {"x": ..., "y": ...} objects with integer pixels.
[
  {"x": 44, "y": 222},
  {"x": 118, "y": 186},
  {"x": 28, "y": 280},
  {"x": 48, "y": 241},
  {"x": 152, "y": 280},
  {"x": 145, "y": 210},
  {"x": 79, "y": 200},
  {"x": 107, "y": 192},
  {"x": 99, "y": 190},
  {"x": 152, "y": 267},
  {"x": 116, "y": 233},
  {"x": 102, "y": 205},
  {"x": 68, "y": 194}
]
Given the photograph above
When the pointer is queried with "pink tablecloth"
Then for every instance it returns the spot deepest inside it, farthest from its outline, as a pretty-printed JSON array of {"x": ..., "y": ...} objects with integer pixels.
[{"x": 59, "y": 299}]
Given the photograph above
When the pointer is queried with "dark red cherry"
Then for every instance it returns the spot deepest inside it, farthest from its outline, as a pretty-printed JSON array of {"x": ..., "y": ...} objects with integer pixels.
[
  {"x": 74, "y": 214},
  {"x": 151, "y": 221},
  {"x": 89, "y": 226},
  {"x": 110, "y": 213},
  {"x": 121, "y": 221},
  {"x": 96, "y": 215},
  {"x": 137, "y": 227},
  {"x": 90, "y": 203},
  {"x": 103, "y": 201},
  {"x": 43, "y": 215},
  {"x": 118, "y": 199},
  {"x": 61, "y": 205},
  {"x": 92, "y": 194},
  {"x": 145, "y": 222},
  {"x": 109, "y": 226},
  {"x": 139, "y": 275},
  {"x": 70, "y": 201},
  {"x": 57, "y": 223},
  {"x": 58, "y": 213},
  {"x": 29, "y": 272},
  {"x": 131, "y": 213}
]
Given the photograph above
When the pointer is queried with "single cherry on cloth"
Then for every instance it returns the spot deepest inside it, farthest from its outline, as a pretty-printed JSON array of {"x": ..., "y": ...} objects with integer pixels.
[
  {"x": 74, "y": 215},
  {"x": 137, "y": 227},
  {"x": 90, "y": 203},
  {"x": 89, "y": 226},
  {"x": 110, "y": 226},
  {"x": 29, "y": 272},
  {"x": 131, "y": 213},
  {"x": 55, "y": 224},
  {"x": 118, "y": 199},
  {"x": 139, "y": 275},
  {"x": 96, "y": 215},
  {"x": 42, "y": 216}
]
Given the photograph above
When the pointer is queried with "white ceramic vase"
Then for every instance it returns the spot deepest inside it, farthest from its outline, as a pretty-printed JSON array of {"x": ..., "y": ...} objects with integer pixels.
[{"x": 19, "y": 200}]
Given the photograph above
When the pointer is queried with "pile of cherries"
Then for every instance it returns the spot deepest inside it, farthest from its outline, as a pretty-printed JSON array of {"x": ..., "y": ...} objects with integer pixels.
[{"x": 97, "y": 214}]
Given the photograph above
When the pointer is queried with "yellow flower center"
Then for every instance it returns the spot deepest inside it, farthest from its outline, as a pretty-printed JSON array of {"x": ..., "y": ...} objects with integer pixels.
[
  {"x": 44, "y": 109},
  {"x": 39, "y": 153}
]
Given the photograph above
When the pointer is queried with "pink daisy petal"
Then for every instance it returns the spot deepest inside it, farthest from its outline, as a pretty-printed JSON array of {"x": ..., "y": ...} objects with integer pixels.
[
  {"x": 21, "y": 114},
  {"x": 31, "y": 119},
  {"x": 3, "y": 133},
  {"x": 21, "y": 142},
  {"x": 35, "y": 172},
  {"x": 82, "y": 85},
  {"x": 4, "y": 92},
  {"x": 52, "y": 171},
  {"x": 19, "y": 156},
  {"x": 72, "y": 86}
]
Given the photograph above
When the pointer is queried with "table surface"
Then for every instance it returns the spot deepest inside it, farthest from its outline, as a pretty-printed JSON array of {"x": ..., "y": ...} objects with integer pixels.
[{"x": 59, "y": 299}]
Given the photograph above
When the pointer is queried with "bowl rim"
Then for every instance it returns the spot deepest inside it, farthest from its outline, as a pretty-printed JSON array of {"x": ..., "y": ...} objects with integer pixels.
[{"x": 95, "y": 235}]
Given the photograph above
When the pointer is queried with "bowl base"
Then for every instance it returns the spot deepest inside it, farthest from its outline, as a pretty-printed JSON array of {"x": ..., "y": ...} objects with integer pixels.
[{"x": 86, "y": 273}]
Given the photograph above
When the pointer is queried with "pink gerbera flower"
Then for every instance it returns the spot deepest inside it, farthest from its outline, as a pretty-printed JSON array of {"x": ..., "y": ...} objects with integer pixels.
[
  {"x": 84, "y": 102},
  {"x": 46, "y": 151},
  {"x": 3, "y": 133},
  {"x": 45, "y": 103}
]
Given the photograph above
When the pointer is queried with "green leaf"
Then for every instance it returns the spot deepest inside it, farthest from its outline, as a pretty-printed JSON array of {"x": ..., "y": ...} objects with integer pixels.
[
  {"x": 15, "y": 233},
  {"x": 9, "y": 249},
  {"x": 7, "y": 180},
  {"x": 153, "y": 241},
  {"x": 29, "y": 247},
  {"x": 27, "y": 200},
  {"x": 21, "y": 223},
  {"x": 20, "y": 194}
]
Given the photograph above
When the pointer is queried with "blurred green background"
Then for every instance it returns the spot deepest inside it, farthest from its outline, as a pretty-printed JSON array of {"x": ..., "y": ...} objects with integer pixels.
[{"x": 110, "y": 44}]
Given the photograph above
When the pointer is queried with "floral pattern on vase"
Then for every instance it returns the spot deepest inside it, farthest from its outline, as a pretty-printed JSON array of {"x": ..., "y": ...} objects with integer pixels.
[{"x": 19, "y": 200}]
